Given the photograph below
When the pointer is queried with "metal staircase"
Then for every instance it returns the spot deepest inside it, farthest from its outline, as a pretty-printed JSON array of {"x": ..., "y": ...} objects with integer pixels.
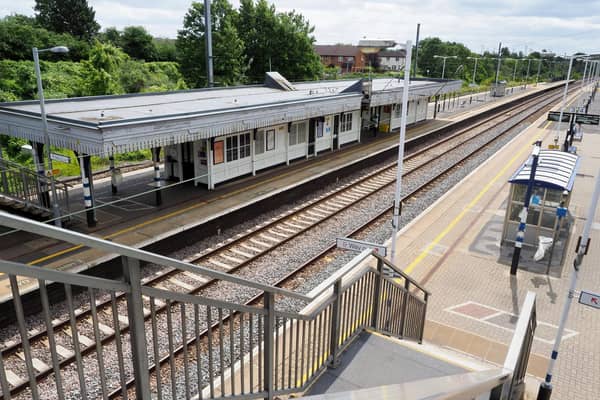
[{"x": 28, "y": 193}]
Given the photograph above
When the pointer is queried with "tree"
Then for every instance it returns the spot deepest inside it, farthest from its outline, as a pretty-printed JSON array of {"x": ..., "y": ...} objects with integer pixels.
[
  {"x": 137, "y": 43},
  {"x": 228, "y": 48},
  {"x": 274, "y": 41},
  {"x": 19, "y": 34},
  {"x": 103, "y": 69},
  {"x": 165, "y": 49},
  {"x": 75, "y": 17}
]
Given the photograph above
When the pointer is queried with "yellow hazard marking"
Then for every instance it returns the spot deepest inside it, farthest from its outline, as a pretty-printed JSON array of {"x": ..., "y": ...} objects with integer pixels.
[{"x": 468, "y": 208}]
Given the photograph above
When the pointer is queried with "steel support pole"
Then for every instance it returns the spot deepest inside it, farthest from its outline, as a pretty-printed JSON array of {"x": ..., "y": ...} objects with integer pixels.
[
  {"x": 414, "y": 74},
  {"x": 208, "y": 39},
  {"x": 443, "y": 67},
  {"x": 515, "y": 70},
  {"x": 3, "y": 173},
  {"x": 499, "y": 60},
  {"x": 55, "y": 207},
  {"x": 537, "y": 77},
  {"x": 397, "y": 205},
  {"x": 523, "y": 215},
  {"x": 113, "y": 183},
  {"x": 37, "y": 150},
  {"x": 86, "y": 172},
  {"x": 269, "y": 328},
  {"x": 156, "y": 162},
  {"x": 545, "y": 390},
  {"x": 335, "y": 324},
  {"x": 562, "y": 104},
  {"x": 137, "y": 330},
  {"x": 527, "y": 76}
]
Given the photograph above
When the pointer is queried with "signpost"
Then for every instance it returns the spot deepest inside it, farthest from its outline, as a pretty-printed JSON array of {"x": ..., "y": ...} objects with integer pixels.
[
  {"x": 589, "y": 299},
  {"x": 60, "y": 157},
  {"x": 359, "y": 246},
  {"x": 585, "y": 119}
]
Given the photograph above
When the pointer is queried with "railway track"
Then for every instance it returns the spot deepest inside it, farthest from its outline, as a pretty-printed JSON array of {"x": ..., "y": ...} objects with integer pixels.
[{"x": 237, "y": 252}]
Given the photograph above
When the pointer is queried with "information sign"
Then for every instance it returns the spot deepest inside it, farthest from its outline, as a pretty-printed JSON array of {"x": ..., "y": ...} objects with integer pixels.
[
  {"x": 60, "y": 157},
  {"x": 359, "y": 246},
  {"x": 589, "y": 299}
]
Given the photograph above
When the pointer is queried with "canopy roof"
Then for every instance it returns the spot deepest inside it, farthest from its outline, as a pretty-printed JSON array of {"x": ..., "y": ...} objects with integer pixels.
[
  {"x": 556, "y": 170},
  {"x": 117, "y": 124}
]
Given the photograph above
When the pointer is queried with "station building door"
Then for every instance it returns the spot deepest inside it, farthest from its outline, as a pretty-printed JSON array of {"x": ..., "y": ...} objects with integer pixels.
[
  {"x": 187, "y": 160},
  {"x": 336, "y": 130}
]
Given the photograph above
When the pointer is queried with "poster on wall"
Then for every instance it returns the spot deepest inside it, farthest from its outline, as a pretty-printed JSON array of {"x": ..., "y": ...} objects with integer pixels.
[{"x": 219, "y": 152}]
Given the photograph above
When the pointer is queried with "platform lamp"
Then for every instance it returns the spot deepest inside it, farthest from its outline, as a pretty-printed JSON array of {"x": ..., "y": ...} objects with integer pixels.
[
  {"x": 444, "y": 62},
  {"x": 562, "y": 105},
  {"x": 474, "y": 68},
  {"x": 36, "y": 61},
  {"x": 533, "y": 161},
  {"x": 397, "y": 204}
]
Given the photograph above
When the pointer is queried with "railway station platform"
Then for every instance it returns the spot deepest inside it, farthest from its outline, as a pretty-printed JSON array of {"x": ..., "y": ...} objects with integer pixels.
[
  {"x": 139, "y": 223},
  {"x": 453, "y": 249}
]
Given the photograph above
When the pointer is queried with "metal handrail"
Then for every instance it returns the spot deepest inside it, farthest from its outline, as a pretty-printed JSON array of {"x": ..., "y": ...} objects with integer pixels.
[
  {"x": 38, "y": 228},
  {"x": 291, "y": 349}
]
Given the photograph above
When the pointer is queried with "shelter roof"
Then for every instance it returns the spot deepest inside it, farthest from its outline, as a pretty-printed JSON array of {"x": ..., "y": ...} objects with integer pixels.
[{"x": 555, "y": 170}]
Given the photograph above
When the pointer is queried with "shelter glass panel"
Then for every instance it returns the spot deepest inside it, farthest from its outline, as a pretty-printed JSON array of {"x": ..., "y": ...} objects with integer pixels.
[
  {"x": 533, "y": 216},
  {"x": 553, "y": 198},
  {"x": 514, "y": 212},
  {"x": 519, "y": 192},
  {"x": 548, "y": 218}
]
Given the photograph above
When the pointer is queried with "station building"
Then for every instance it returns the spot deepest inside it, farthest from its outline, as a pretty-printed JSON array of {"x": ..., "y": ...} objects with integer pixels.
[{"x": 214, "y": 135}]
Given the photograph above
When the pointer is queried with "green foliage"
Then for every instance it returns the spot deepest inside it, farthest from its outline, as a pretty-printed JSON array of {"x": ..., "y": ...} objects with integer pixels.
[
  {"x": 228, "y": 48},
  {"x": 165, "y": 49},
  {"x": 75, "y": 17},
  {"x": 138, "y": 43},
  {"x": 102, "y": 69},
  {"x": 19, "y": 34},
  {"x": 274, "y": 41}
]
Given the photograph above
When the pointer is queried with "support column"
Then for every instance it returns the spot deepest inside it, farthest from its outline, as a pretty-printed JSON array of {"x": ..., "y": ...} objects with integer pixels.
[
  {"x": 86, "y": 180},
  {"x": 253, "y": 151},
  {"x": 287, "y": 144},
  {"x": 209, "y": 179},
  {"x": 435, "y": 106},
  {"x": 156, "y": 160},
  {"x": 37, "y": 150},
  {"x": 113, "y": 178},
  {"x": 3, "y": 173}
]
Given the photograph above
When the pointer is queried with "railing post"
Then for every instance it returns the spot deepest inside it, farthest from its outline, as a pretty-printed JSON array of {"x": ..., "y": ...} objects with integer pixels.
[
  {"x": 335, "y": 324},
  {"x": 404, "y": 307},
  {"x": 423, "y": 318},
  {"x": 377, "y": 294},
  {"x": 135, "y": 314},
  {"x": 269, "y": 327}
]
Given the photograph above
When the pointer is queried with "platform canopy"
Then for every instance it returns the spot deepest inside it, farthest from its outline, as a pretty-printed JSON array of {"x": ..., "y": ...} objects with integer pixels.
[
  {"x": 103, "y": 125},
  {"x": 556, "y": 170}
]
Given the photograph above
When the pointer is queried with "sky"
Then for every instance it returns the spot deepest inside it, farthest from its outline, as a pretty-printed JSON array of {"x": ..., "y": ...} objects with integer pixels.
[{"x": 563, "y": 27}]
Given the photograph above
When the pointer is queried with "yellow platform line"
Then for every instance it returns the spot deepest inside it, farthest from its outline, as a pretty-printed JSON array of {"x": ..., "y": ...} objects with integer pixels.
[{"x": 465, "y": 210}]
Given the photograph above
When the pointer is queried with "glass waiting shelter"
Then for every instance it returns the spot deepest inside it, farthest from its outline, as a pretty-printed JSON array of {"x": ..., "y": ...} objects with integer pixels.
[{"x": 548, "y": 212}]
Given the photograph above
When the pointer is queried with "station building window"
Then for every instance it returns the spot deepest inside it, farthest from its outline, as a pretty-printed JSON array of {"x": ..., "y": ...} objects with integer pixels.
[
  {"x": 245, "y": 145},
  {"x": 232, "y": 148},
  {"x": 298, "y": 133},
  {"x": 346, "y": 122}
]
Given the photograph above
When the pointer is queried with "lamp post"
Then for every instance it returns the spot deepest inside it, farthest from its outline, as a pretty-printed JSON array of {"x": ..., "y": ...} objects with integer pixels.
[
  {"x": 444, "y": 62},
  {"x": 527, "y": 76},
  {"x": 475, "y": 67},
  {"x": 397, "y": 205},
  {"x": 36, "y": 61},
  {"x": 499, "y": 61},
  {"x": 537, "y": 146},
  {"x": 545, "y": 390},
  {"x": 562, "y": 105},
  {"x": 537, "y": 77},
  {"x": 515, "y": 70}
]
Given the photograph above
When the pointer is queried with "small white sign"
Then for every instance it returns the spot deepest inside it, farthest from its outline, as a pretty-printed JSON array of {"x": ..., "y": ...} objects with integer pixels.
[
  {"x": 589, "y": 299},
  {"x": 60, "y": 157},
  {"x": 359, "y": 246}
]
